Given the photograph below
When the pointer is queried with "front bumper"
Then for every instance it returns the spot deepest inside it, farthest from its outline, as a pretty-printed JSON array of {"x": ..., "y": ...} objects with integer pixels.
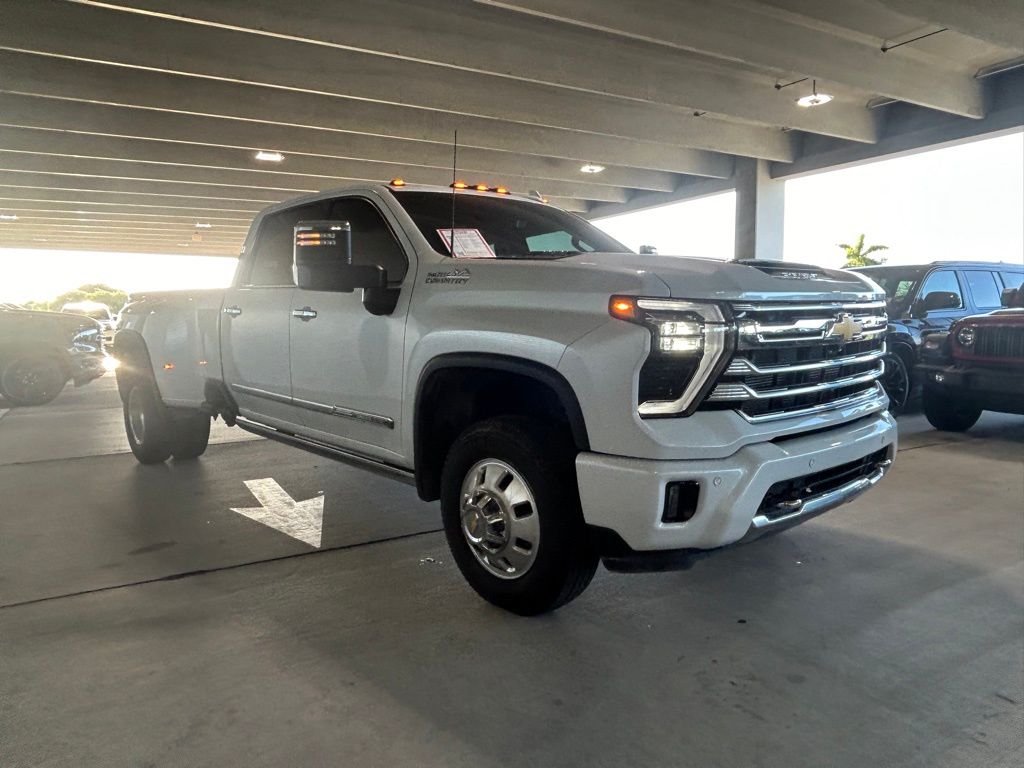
[
  {"x": 988, "y": 387},
  {"x": 627, "y": 496}
]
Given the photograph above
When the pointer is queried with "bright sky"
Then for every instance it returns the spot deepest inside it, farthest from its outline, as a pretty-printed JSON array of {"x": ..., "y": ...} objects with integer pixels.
[{"x": 960, "y": 202}]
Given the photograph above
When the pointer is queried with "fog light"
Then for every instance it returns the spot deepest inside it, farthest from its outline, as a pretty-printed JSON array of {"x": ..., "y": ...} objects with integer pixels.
[{"x": 680, "y": 501}]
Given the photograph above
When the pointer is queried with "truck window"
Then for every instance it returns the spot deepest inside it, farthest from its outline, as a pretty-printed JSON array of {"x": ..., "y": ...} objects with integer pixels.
[
  {"x": 373, "y": 242},
  {"x": 272, "y": 256},
  {"x": 514, "y": 229},
  {"x": 943, "y": 280},
  {"x": 984, "y": 288},
  {"x": 1012, "y": 279}
]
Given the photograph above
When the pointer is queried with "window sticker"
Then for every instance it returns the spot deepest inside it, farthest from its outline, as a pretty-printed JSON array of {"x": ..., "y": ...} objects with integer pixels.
[{"x": 469, "y": 243}]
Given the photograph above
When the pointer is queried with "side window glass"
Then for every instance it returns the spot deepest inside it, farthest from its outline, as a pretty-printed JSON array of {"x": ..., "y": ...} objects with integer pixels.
[
  {"x": 372, "y": 239},
  {"x": 272, "y": 256},
  {"x": 1012, "y": 279},
  {"x": 984, "y": 288},
  {"x": 943, "y": 280}
]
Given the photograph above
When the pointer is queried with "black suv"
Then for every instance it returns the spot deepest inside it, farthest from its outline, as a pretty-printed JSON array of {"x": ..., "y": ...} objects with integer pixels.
[{"x": 928, "y": 298}]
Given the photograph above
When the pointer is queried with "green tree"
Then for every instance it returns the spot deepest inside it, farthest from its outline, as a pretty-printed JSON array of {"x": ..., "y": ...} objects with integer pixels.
[
  {"x": 100, "y": 292},
  {"x": 859, "y": 256}
]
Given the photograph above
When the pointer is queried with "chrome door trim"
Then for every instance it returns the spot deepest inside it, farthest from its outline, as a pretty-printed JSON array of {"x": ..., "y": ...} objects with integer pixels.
[{"x": 310, "y": 405}]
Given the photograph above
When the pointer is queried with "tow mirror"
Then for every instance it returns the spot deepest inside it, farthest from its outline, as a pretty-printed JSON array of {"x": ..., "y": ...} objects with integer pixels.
[
  {"x": 322, "y": 259},
  {"x": 648, "y": 250},
  {"x": 937, "y": 300},
  {"x": 1010, "y": 297}
]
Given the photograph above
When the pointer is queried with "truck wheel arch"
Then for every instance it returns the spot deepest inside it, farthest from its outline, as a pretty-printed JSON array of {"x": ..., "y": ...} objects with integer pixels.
[
  {"x": 443, "y": 411},
  {"x": 133, "y": 355}
]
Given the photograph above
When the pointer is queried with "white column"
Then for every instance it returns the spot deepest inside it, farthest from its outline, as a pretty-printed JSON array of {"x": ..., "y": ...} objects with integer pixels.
[{"x": 760, "y": 211}]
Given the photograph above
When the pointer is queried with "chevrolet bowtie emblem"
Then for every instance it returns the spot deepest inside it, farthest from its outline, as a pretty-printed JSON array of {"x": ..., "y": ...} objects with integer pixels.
[{"x": 846, "y": 327}]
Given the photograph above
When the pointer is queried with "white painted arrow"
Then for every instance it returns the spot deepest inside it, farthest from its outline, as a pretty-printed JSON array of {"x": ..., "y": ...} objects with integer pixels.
[{"x": 302, "y": 520}]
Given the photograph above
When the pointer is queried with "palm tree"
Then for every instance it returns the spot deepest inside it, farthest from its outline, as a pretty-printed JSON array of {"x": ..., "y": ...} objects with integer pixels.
[{"x": 859, "y": 256}]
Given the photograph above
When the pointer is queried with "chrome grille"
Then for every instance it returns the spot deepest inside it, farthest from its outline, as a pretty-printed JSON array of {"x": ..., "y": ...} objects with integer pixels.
[
  {"x": 792, "y": 359},
  {"x": 999, "y": 341}
]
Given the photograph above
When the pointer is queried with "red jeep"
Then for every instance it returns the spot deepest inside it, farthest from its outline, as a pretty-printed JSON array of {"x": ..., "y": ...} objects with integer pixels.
[{"x": 977, "y": 366}]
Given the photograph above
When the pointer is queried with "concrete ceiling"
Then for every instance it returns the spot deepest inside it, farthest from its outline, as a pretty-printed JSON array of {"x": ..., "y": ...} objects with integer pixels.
[{"x": 123, "y": 124}]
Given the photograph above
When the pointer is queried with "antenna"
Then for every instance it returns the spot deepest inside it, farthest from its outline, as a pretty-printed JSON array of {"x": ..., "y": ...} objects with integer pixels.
[{"x": 455, "y": 159}]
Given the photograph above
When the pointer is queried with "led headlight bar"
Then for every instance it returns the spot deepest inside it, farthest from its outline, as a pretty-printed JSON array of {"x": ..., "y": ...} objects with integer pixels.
[{"x": 689, "y": 341}]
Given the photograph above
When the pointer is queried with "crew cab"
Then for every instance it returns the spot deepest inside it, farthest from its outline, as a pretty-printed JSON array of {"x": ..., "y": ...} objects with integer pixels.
[
  {"x": 922, "y": 299},
  {"x": 977, "y": 366},
  {"x": 41, "y": 351},
  {"x": 565, "y": 399}
]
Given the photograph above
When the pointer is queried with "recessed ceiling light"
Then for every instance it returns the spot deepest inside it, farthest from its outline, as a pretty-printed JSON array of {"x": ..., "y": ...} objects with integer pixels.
[
  {"x": 184, "y": 245},
  {"x": 814, "y": 99},
  {"x": 8, "y": 217},
  {"x": 270, "y": 157},
  {"x": 591, "y": 168},
  {"x": 203, "y": 225}
]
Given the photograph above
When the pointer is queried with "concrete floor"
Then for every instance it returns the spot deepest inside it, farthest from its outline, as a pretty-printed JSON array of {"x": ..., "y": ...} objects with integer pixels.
[{"x": 143, "y": 623}]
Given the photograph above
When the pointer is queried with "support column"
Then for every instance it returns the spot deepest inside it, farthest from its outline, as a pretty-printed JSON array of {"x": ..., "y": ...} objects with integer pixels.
[{"x": 760, "y": 211}]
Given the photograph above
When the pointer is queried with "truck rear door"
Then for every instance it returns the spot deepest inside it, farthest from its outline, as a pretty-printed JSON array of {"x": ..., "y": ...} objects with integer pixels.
[{"x": 256, "y": 317}]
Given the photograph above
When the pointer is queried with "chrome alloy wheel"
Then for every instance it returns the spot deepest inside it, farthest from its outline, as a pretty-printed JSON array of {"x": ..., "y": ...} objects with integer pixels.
[
  {"x": 136, "y": 416},
  {"x": 499, "y": 519}
]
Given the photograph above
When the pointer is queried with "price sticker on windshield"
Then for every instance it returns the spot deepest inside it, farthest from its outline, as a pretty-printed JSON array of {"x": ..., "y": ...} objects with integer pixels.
[{"x": 469, "y": 243}]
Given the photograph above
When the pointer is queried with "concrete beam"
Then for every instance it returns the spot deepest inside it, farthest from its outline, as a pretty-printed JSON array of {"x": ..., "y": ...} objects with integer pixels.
[
  {"x": 313, "y": 169},
  {"x": 454, "y": 57},
  {"x": 910, "y": 129},
  {"x": 16, "y": 198},
  {"x": 118, "y": 247},
  {"x": 257, "y": 183},
  {"x": 757, "y": 35},
  {"x": 760, "y": 212},
  {"x": 691, "y": 189},
  {"x": 59, "y": 211},
  {"x": 997, "y": 21}
]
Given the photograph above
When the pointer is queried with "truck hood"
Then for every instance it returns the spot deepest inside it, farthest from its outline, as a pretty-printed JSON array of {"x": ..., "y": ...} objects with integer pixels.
[{"x": 689, "y": 277}]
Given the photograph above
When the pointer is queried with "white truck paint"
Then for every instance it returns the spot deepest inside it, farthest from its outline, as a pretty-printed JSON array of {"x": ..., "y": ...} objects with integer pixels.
[{"x": 781, "y": 361}]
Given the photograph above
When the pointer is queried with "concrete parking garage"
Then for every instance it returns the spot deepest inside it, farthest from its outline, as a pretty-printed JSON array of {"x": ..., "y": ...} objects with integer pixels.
[
  {"x": 146, "y": 623},
  {"x": 146, "y": 617}
]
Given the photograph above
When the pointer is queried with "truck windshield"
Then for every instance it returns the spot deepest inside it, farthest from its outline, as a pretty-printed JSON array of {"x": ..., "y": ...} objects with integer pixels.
[
  {"x": 899, "y": 283},
  {"x": 513, "y": 229}
]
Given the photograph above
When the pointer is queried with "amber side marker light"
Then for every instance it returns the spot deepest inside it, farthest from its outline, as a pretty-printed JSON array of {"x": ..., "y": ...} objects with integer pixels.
[
  {"x": 622, "y": 307},
  {"x": 168, "y": 366}
]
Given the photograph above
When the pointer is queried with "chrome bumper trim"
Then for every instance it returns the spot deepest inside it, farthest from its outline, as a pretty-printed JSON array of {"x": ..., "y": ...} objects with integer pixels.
[{"x": 741, "y": 366}]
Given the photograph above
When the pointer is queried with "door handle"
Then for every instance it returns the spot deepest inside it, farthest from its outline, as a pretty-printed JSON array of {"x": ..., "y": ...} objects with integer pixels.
[
  {"x": 232, "y": 311},
  {"x": 305, "y": 314}
]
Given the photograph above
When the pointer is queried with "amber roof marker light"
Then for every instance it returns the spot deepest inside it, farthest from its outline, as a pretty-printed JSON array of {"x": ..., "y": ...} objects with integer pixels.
[{"x": 398, "y": 182}]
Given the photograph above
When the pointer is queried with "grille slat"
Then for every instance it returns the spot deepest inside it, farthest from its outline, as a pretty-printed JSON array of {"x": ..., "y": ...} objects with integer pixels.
[
  {"x": 998, "y": 341},
  {"x": 792, "y": 359}
]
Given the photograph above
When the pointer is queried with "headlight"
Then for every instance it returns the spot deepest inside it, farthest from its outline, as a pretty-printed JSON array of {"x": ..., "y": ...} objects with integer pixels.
[
  {"x": 965, "y": 336},
  {"x": 689, "y": 339}
]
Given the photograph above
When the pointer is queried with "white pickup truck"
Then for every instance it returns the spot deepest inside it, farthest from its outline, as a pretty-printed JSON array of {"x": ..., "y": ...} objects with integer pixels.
[{"x": 567, "y": 400}]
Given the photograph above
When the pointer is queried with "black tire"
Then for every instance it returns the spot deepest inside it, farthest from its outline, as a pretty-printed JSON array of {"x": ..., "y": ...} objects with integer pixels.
[
  {"x": 32, "y": 380},
  {"x": 147, "y": 424},
  {"x": 945, "y": 413},
  {"x": 564, "y": 560},
  {"x": 897, "y": 382},
  {"x": 191, "y": 436}
]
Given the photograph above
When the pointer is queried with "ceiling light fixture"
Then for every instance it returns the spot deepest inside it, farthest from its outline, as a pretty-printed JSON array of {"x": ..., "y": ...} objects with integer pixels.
[
  {"x": 8, "y": 217},
  {"x": 814, "y": 99},
  {"x": 591, "y": 168},
  {"x": 203, "y": 225},
  {"x": 269, "y": 157}
]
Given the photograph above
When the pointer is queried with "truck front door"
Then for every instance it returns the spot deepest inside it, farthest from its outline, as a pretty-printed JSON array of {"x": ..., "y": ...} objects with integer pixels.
[
  {"x": 256, "y": 320},
  {"x": 347, "y": 363}
]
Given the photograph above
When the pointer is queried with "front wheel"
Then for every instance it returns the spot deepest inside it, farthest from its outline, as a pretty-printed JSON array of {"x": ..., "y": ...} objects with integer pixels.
[
  {"x": 32, "y": 380},
  {"x": 945, "y": 413},
  {"x": 896, "y": 382},
  {"x": 512, "y": 516}
]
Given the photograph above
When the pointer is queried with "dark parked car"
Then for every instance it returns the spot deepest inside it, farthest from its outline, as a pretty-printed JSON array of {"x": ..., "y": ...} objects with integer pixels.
[
  {"x": 928, "y": 298},
  {"x": 978, "y": 365},
  {"x": 41, "y": 351}
]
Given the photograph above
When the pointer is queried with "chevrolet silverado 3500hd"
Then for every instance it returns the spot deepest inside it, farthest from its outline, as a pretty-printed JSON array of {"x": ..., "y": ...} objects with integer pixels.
[{"x": 566, "y": 399}]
